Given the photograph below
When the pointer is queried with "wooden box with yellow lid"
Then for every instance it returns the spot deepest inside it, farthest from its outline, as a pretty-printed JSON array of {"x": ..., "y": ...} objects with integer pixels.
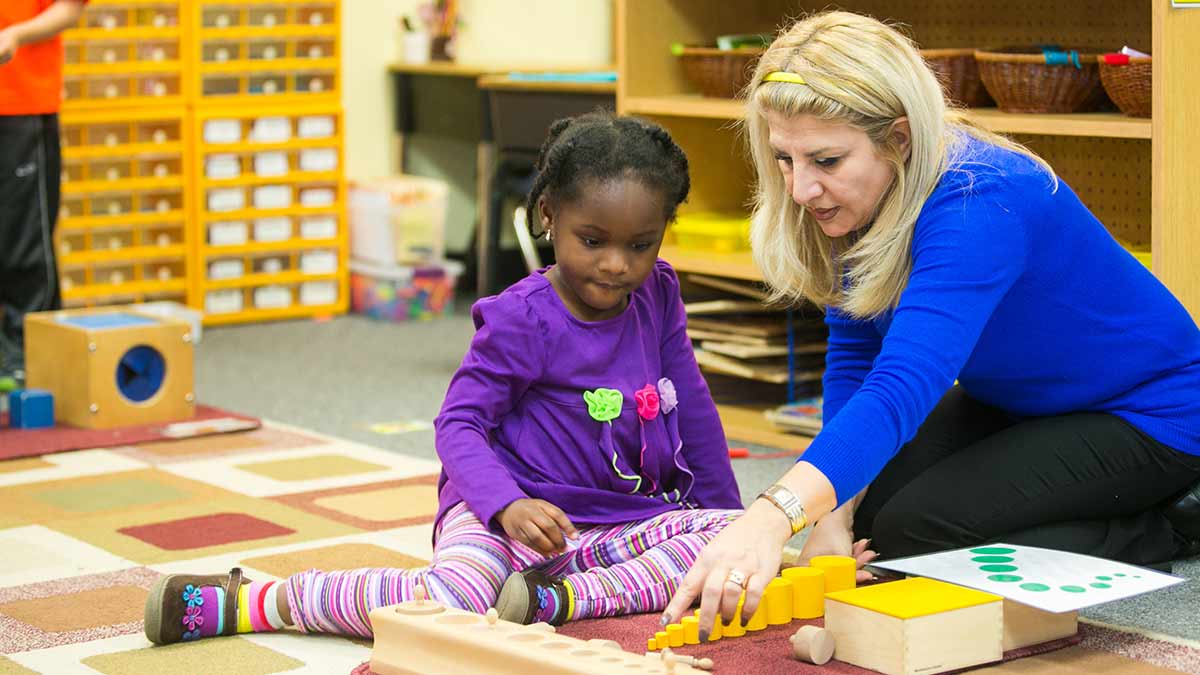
[{"x": 915, "y": 626}]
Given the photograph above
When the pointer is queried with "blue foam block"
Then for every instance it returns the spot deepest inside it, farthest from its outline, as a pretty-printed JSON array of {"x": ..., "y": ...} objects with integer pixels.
[{"x": 30, "y": 409}]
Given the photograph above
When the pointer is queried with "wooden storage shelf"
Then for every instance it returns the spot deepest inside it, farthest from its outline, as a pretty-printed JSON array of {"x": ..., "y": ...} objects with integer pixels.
[
  {"x": 748, "y": 424},
  {"x": 1105, "y": 125},
  {"x": 739, "y": 265}
]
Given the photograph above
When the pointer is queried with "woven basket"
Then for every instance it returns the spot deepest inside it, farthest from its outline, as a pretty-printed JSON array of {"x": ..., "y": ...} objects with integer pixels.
[
  {"x": 958, "y": 72},
  {"x": 1127, "y": 81},
  {"x": 720, "y": 73},
  {"x": 1022, "y": 82}
]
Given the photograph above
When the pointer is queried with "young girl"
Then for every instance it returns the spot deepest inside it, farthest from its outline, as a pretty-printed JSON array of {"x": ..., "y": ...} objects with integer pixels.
[{"x": 584, "y": 465}]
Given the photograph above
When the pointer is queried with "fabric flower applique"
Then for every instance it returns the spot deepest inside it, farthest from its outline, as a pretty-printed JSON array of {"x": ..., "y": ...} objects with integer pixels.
[
  {"x": 647, "y": 407},
  {"x": 191, "y": 595},
  {"x": 669, "y": 403},
  {"x": 604, "y": 405},
  {"x": 192, "y": 618}
]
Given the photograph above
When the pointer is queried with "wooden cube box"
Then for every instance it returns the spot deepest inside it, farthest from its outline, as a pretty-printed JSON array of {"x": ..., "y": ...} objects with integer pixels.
[
  {"x": 915, "y": 626},
  {"x": 111, "y": 367}
]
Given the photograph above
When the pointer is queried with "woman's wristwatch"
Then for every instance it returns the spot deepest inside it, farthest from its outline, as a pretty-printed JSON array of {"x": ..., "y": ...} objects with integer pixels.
[{"x": 785, "y": 500}]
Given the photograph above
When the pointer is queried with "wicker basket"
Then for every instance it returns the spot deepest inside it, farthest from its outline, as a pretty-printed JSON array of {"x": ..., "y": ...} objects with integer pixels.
[
  {"x": 958, "y": 72},
  {"x": 1127, "y": 81},
  {"x": 1021, "y": 80},
  {"x": 720, "y": 73}
]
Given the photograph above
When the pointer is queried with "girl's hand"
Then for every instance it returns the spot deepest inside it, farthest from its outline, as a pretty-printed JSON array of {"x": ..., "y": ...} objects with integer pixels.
[
  {"x": 750, "y": 546},
  {"x": 538, "y": 524},
  {"x": 8, "y": 45}
]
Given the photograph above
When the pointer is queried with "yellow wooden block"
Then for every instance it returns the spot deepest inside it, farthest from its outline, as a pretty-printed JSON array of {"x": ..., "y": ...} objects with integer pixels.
[
  {"x": 840, "y": 571},
  {"x": 758, "y": 620},
  {"x": 660, "y": 638},
  {"x": 691, "y": 630},
  {"x": 652, "y": 644},
  {"x": 111, "y": 367},
  {"x": 808, "y": 591},
  {"x": 778, "y": 599},
  {"x": 915, "y": 626},
  {"x": 675, "y": 635}
]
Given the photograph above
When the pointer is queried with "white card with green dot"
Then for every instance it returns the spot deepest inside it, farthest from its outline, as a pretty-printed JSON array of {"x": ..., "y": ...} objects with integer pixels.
[{"x": 1051, "y": 580}]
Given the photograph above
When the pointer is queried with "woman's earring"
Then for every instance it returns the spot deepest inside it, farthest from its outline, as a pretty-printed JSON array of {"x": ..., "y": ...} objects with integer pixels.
[{"x": 549, "y": 234}]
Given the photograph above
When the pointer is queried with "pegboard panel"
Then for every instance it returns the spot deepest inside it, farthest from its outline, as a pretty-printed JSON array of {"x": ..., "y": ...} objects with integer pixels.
[
  {"x": 1111, "y": 176},
  {"x": 1090, "y": 24}
]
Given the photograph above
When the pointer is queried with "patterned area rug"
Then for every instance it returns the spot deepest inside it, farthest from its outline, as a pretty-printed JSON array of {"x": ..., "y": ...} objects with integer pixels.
[{"x": 84, "y": 535}]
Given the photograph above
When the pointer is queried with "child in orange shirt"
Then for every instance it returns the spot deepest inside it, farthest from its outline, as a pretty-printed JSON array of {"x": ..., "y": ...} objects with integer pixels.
[{"x": 31, "y": 58}]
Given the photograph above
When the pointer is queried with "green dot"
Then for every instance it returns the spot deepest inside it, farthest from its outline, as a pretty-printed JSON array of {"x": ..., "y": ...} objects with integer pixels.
[
  {"x": 1073, "y": 589},
  {"x": 993, "y": 550},
  {"x": 1037, "y": 588},
  {"x": 1005, "y": 578},
  {"x": 1100, "y": 585},
  {"x": 1118, "y": 574},
  {"x": 992, "y": 559},
  {"x": 998, "y": 568},
  {"x": 1102, "y": 578},
  {"x": 1137, "y": 576}
]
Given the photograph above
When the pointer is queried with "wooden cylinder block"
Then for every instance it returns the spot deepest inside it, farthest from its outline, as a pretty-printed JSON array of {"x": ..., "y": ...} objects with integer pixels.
[
  {"x": 778, "y": 599},
  {"x": 839, "y": 571},
  {"x": 717, "y": 631},
  {"x": 691, "y": 630},
  {"x": 808, "y": 591},
  {"x": 735, "y": 628}
]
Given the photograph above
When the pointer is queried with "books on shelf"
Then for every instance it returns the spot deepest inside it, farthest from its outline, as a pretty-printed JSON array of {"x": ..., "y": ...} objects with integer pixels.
[
  {"x": 741, "y": 350},
  {"x": 802, "y": 416},
  {"x": 772, "y": 371}
]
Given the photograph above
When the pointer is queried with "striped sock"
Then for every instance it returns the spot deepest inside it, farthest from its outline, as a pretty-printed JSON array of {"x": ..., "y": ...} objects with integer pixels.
[{"x": 257, "y": 609}]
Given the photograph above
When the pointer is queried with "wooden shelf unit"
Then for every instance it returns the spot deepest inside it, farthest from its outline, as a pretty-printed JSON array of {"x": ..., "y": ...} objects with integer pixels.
[{"x": 1137, "y": 175}]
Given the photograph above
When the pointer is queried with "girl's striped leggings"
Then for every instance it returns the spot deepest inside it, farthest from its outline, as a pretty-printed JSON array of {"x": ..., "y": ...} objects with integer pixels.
[{"x": 613, "y": 569}]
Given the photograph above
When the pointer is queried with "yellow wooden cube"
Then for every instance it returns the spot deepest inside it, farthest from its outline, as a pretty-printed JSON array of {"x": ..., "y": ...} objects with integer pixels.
[
  {"x": 111, "y": 367},
  {"x": 915, "y": 626}
]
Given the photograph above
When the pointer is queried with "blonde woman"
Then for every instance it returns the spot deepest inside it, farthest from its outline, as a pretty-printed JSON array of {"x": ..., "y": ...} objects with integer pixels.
[{"x": 943, "y": 252}]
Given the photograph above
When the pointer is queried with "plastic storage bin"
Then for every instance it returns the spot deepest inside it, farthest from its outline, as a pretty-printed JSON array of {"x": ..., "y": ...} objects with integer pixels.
[
  {"x": 403, "y": 292},
  {"x": 398, "y": 220},
  {"x": 718, "y": 232}
]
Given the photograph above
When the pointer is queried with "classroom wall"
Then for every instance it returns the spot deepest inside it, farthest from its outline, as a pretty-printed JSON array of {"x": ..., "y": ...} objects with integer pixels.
[{"x": 509, "y": 32}]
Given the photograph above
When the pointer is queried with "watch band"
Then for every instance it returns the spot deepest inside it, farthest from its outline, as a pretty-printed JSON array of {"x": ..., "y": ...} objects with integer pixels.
[{"x": 787, "y": 501}]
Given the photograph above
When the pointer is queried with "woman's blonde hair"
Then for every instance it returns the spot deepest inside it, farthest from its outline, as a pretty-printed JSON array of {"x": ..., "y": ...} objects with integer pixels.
[{"x": 864, "y": 73}]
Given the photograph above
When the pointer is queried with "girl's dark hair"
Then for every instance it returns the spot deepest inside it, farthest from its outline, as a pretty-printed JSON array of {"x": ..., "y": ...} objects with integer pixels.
[{"x": 602, "y": 146}]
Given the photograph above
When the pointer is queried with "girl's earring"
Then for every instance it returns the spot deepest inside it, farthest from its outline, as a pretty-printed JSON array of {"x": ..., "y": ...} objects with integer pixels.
[{"x": 549, "y": 234}]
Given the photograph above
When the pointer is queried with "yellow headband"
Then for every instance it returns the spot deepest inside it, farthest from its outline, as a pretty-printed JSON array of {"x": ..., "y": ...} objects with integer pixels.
[{"x": 782, "y": 76}]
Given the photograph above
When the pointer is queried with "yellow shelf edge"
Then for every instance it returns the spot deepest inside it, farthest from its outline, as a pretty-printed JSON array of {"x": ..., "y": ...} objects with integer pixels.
[
  {"x": 292, "y": 312},
  {"x": 128, "y": 254},
  {"x": 265, "y": 279},
  {"x": 291, "y": 30},
  {"x": 290, "y": 178},
  {"x": 251, "y": 248},
  {"x": 100, "y": 186},
  {"x": 79, "y": 223},
  {"x": 267, "y": 66},
  {"x": 87, "y": 291},
  {"x": 136, "y": 151},
  {"x": 123, "y": 69},
  {"x": 331, "y": 142},
  {"x": 251, "y": 214},
  {"x": 93, "y": 34}
]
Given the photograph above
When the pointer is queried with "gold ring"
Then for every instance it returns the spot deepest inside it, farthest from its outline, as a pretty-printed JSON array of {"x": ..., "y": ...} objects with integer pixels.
[{"x": 737, "y": 577}]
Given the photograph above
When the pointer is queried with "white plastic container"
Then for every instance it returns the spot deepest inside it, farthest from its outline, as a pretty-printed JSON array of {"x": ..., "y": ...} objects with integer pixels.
[
  {"x": 273, "y": 229},
  {"x": 272, "y": 197},
  {"x": 222, "y": 131},
  {"x": 272, "y": 297},
  {"x": 226, "y": 199},
  {"x": 317, "y": 197},
  {"x": 227, "y": 233},
  {"x": 318, "y": 159},
  {"x": 225, "y": 301},
  {"x": 318, "y": 262},
  {"x": 318, "y": 227},
  {"x": 222, "y": 166},
  {"x": 271, "y": 164},
  {"x": 316, "y": 126},
  {"x": 313, "y": 293},
  {"x": 398, "y": 220},
  {"x": 228, "y": 268},
  {"x": 271, "y": 130}
]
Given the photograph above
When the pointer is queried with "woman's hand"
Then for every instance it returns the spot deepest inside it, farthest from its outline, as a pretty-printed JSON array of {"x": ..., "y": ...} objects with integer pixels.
[
  {"x": 538, "y": 524},
  {"x": 832, "y": 537},
  {"x": 750, "y": 546}
]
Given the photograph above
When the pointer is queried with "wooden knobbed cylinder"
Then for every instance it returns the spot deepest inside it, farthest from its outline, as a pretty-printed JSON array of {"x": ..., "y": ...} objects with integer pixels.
[{"x": 813, "y": 644}]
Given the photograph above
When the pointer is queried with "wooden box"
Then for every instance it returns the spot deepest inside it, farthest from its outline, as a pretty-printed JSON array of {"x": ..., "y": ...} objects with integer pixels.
[
  {"x": 915, "y": 626},
  {"x": 428, "y": 638},
  {"x": 111, "y": 367},
  {"x": 1025, "y": 625}
]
